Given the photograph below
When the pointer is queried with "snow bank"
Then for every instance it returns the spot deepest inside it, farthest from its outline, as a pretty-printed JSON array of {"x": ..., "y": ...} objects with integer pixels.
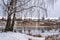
[
  {"x": 48, "y": 34},
  {"x": 36, "y": 38},
  {"x": 12, "y": 36},
  {"x": 17, "y": 36}
]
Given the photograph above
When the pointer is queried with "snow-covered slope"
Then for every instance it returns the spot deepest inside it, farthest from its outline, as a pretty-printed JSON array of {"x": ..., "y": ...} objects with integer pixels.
[
  {"x": 12, "y": 36},
  {"x": 17, "y": 36}
]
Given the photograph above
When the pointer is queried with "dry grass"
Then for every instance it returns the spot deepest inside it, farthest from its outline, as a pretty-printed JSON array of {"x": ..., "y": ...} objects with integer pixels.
[{"x": 52, "y": 38}]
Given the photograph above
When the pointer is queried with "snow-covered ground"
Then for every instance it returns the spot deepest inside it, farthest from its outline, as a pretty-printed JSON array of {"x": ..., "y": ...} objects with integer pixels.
[
  {"x": 45, "y": 33},
  {"x": 23, "y": 36},
  {"x": 12, "y": 36},
  {"x": 17, "y": 36}
]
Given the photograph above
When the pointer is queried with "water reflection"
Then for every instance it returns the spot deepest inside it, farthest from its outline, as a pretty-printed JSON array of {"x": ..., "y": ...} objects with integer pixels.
[{"x": 39, "y": 30}]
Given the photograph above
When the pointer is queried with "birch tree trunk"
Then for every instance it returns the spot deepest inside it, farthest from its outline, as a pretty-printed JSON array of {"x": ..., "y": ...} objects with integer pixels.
[
  {"x": 13, "y": 20},
  {"x": 8, "y": 24}
]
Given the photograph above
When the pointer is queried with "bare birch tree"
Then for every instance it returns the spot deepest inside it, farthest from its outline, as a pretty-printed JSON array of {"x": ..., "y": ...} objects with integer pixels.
[{"x": 15, "y": 6}]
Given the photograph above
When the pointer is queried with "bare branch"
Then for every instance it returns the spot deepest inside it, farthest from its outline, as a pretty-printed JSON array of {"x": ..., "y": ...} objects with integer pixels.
[
  {"x": 4, "y": 3},
  {"x": 28, "y": 8},
  {"x": 32, "y": 7},
  {"x": 19, "y": 6},
  {"x": 22, "y": 4}
]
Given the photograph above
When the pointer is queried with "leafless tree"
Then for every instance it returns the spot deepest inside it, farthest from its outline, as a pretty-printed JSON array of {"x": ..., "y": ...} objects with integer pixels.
[{"x": 15, "y": 6}]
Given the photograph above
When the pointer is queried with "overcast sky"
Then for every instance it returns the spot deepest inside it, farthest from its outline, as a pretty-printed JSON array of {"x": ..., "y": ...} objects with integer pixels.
[
  {"x": 52, "y": 12},
  {"x": 55, "y": 12}
]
